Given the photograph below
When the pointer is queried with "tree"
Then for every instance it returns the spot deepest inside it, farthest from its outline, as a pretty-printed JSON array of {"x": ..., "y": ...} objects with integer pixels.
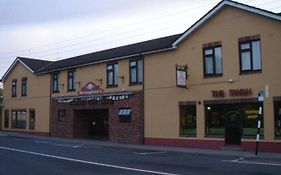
[{"x": 1, "y": 95}]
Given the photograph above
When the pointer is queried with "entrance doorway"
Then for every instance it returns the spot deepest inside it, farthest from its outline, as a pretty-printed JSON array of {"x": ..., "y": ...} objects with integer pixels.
[
  {"x": 91, "y": 123},
  {"x": 233, "y": 125},
  {"x": 233, "y": 120}
]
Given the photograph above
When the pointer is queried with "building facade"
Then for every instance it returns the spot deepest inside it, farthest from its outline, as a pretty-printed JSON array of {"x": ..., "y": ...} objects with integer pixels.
[
  {"x": 206, "y": 88},
  {"x": 232, "y": 57},
  {"x": 26, "y": 104}
]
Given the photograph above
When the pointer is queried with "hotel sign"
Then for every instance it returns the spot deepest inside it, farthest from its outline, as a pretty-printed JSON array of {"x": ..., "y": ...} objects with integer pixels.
[
  {"x": 90, "y": 88},
  {"x": 181, "y": 76},
  {"x": 240, "y": 92},
  {"x": 233, "y": 92}
]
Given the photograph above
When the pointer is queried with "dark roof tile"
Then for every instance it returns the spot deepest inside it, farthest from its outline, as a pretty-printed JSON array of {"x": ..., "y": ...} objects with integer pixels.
[
  {"x": 34, "y": 64},
  {"x": 118, "y": 52}
]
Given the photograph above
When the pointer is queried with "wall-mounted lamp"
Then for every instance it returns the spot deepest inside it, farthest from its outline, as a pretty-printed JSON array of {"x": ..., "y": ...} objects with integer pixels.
[
  {"x": 199, "y": 102},
  {"x": 99, "y": 80},
  {"x": 78, "y": 82},
  {"x": 62, "y": 85},
  {"x": 230, "y": 80},
  {"x": 122, "y": 77}
]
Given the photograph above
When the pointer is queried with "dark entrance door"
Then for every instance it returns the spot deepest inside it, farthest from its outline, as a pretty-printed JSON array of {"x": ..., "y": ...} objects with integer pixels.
[
  {"x": 98, "y": 124},
  {"x": 233, "y": 125},
  {"x": 91, "y": 123}
]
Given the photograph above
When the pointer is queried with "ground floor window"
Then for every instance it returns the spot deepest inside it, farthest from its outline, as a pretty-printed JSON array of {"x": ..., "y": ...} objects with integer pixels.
[
  {"x": 6, "y": 119},
  {"x": 19, "y": 119},
  {"x": 214, "y": 120},
  {"x": 250, "y": 114},
  {"x": 277, "y": 114},
  {"x": 187, "y": 119},
  {"x": 61, "y": 115},
  {"x": 243, "y": 116},
  {"x": 32, "y": 119}
]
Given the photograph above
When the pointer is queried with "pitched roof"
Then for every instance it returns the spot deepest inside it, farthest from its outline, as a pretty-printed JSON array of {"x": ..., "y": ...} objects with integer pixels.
[
  {"x": 33, "y": 65},
  {"x": 217, "y": 8},
  {"x": 132, "y": 50},
  {"x": 151, "y": 46},
  {"x": 127, "y": 51}
]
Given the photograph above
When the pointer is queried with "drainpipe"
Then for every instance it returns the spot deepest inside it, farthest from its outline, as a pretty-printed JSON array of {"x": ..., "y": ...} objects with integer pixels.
[
  {"x": 50, "y": 105},
  {"x": 143, "y": 90}
]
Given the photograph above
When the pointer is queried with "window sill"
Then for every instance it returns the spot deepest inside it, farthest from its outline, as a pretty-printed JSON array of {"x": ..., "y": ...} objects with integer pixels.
[
  {"x": 135, "y": 84},
  {"x": 250, "y": 72},
  {"x": 111, "y": 86},
  {"x": 214, "y": 136},
  {"x": 213, "y": 76},
  {"x": 71, "y": 90},
  {"x": 251, "y": 137},
  {"x": 55, "y": 92},
  {"x": 188, "y": 135}
]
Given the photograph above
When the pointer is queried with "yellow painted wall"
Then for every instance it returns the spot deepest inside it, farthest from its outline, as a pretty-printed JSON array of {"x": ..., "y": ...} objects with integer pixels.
[
  {"x": 162, "y": 96},
  {"x": 98, "y": 71},
  {"x": 38, "y": 90}
]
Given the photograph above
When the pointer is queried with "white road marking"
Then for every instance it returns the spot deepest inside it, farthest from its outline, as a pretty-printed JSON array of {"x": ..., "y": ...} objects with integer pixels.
[
  {"x": 243, "y": 161},
  {"x": 77, "y": 146},
  {"x": 66, "y": 145},
  {"x": 20, "y": 139},
  {"x": 44, "y": 142},
  {"x": 147, "y": 153},
  {"x": 88, "y": 162},
  {"x": 58, "y": 144}
]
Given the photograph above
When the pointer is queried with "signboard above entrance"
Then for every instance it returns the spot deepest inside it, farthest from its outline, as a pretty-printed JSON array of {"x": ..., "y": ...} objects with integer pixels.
[
  {"x": 233, "y": 92},
  {"x": 90, "y": 88}
]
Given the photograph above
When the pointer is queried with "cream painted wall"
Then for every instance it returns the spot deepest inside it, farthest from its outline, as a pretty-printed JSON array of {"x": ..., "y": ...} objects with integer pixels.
[
  {"x": 38, "y": 90},
  {"x": 162, "y": 96},
  {"x": 98, "y": 71}
]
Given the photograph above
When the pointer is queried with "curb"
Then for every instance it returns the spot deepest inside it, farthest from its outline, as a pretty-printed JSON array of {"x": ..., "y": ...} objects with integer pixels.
[{"x": 219, "y": 152}]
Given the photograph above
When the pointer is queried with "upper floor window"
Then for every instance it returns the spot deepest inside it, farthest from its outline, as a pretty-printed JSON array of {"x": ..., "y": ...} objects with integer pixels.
[
  {"x": 24, "y": 87},
  {"x": 71, "y": 80},
  {"x": 136, "y": 71},
  {"x": 14, "y": 88},
  {"x": 250, "y": 54},
  {"x": 55, "y": 82},
  {"x": 212, "y": 59},
  {"x": 112, "y": 75}
]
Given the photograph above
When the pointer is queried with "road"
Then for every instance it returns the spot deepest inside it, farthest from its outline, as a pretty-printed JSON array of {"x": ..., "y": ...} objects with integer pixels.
[{"x": 35, "y": 156}]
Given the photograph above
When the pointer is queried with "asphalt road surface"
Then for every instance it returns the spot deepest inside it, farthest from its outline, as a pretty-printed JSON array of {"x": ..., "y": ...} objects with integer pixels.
[{"x": 32, "y": 156}]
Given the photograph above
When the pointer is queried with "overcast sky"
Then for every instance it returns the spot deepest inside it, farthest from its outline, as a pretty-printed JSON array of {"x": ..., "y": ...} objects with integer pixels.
[{"x": 57, "y": 29}]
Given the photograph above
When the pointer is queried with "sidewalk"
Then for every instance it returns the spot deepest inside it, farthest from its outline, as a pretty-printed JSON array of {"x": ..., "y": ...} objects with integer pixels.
[{"x": 148, "y": 147}]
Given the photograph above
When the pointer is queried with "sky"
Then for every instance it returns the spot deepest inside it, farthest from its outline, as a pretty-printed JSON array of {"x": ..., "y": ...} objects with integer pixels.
[{"x": 59, "y": 29}]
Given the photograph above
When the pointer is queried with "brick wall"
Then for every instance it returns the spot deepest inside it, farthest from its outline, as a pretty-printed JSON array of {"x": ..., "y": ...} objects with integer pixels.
[
  {"x": 132, "y": 132},
  {"x": 74, "y": 126},
  {"x": 61, "y": 128}
]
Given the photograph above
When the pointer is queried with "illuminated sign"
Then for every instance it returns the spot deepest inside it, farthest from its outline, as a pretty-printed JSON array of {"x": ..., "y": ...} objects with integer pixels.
[
  {"x": 90, "y": 88},
  {"x": 252, "y": 114}
]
